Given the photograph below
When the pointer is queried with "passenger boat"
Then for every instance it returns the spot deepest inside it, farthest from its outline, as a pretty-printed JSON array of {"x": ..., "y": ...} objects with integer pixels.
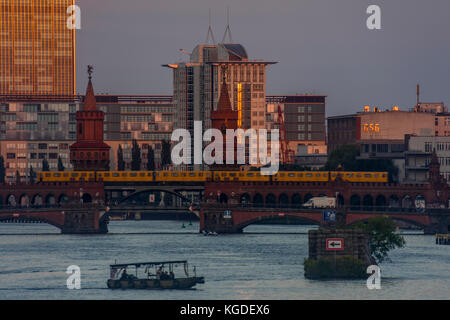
[{"x": 162, "y": 278}]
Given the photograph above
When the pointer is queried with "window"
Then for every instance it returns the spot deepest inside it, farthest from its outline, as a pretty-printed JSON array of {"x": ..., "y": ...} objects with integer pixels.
[{"x": 10, "y": 156}]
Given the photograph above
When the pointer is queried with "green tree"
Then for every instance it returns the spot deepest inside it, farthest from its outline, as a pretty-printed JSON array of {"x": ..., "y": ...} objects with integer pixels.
[
  {"x": 150, "y": 159},
  {"x": 346, "y": 156},
  {"x": 2, "y": 170},
  {"x": 32, "y": 175},
  {"x": 45, "y": 165},
  {"x": 17, "y": 176},
  {"x": 60, "y": 165},
  {"x": 120, "y": 161},
  {"x": 166, "y": 158},
  {"x": 136, "y": 156},
  {"x": 383, "y": 237}
]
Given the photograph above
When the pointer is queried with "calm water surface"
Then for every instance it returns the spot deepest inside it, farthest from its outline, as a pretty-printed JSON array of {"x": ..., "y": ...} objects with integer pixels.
[{"x": 266, "y": 262}]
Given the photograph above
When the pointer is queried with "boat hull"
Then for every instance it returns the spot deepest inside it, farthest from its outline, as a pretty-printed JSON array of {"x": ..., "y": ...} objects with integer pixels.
[{"x": 181, "y": 283}]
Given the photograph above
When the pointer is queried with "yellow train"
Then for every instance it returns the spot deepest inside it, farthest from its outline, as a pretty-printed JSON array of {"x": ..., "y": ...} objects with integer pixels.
[{"x": 202, "y": 176}]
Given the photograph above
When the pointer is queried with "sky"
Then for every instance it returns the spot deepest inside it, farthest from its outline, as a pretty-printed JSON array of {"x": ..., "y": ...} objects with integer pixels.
[{"x": 321, "y": 46}]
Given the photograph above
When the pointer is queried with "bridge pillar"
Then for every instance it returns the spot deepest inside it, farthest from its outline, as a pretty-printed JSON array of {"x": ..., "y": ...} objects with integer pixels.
[
  {"x": 215, "y": 220},
  {"x": 84, "y": 221}
]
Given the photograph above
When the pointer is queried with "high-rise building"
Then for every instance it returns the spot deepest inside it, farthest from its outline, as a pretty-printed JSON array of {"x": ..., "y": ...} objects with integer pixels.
[
  {"x": 197, "y": 86},
  {"x": 37, "y": 49}
]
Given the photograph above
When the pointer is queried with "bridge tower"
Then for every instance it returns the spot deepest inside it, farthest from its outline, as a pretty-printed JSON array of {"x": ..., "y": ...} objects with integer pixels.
[
  {"x": 222, "y": 119},
  {"x": 90, "y": 152}
]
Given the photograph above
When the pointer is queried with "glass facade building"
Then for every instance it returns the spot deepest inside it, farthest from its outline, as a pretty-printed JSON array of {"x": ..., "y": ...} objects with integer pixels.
[
  {"x": 36, "y": 130},
  {"x": 37, "y": 50}
]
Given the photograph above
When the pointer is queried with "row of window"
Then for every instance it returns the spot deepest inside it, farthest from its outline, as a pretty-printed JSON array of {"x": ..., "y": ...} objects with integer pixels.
[{"x": 33, "y": 155}]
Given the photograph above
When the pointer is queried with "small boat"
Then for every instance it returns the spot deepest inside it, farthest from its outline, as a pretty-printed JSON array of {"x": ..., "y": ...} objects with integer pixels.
[{"x": 162, "y": 278}]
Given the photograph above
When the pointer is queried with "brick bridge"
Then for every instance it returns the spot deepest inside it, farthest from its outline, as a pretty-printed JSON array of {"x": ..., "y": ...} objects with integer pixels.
[
  {"x": 423, "y": 205},
  {"x": 76, "y": 207}
]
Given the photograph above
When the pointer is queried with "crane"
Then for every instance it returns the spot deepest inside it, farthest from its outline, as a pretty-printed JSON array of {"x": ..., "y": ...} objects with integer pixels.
[{"x": 287, "y": 155}]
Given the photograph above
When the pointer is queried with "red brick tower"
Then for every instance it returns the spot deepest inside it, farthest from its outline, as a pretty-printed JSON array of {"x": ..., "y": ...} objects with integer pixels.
[
  {"x": 90, "y": 152},
  {"x": 222, "y": 119}
]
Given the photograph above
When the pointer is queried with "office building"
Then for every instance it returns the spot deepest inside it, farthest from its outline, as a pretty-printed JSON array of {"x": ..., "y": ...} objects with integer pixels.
[
  {"x": 418, "y": 156},
  {"x": 304, "y": 119},
  {"x": 34, "y": 130},
  {"x": 37, "y": 50}
]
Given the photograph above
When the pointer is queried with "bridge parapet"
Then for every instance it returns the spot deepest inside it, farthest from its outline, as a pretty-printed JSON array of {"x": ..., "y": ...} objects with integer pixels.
[{"x": 232, "y": 218}]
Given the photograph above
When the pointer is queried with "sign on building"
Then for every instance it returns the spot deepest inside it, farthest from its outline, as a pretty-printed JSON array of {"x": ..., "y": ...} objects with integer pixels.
[{"x": 335, "y": 244}]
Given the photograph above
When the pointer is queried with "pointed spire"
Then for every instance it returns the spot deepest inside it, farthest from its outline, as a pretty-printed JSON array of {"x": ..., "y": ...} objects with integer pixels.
[
  {"x": 90, "y": 104},
  {"x": 210, "y": 33},
  {"x": 228, "y": 30},
  {"x": 224, "y": 99}
]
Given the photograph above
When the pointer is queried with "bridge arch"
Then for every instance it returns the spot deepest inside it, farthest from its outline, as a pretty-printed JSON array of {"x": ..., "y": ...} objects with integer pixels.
[
  {"x": 368, "y": 202},
  {"x": 223, "y": 198},
  {"x": 87, "y": 198},
  {"x": 355, "y": 202},
  {"x": 24, "y": 200},
  {"x": 419, "y": 201},
  {"x": 50, "y": 200},
  {"x": 296, "y": 199},
  {"x": 63, "y": 199},
  {"x": 403, "y": 218},
  {"x": 11, "y": 200},
  {"x": 37, "y": 200},
  {"x": 283, "y": 200},
  {"x": 258, "y": 200},
  {"x": 380, "y": 202},
  {"x": 394, "y": 201},
  {"x": 143, "y": 197},
  {"x": 30, "y": 219},
  {"x": 340, "y": 200},
  {"x": 271, "y": 199},
  {"x": 304, "y": 219},
  {"x": 245, "y": 198},
  {"x": 406, "y": 202}
]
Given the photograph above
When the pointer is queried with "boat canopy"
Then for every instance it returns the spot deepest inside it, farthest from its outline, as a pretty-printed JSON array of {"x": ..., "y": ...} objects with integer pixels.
[{"x": 141, "y": 264}]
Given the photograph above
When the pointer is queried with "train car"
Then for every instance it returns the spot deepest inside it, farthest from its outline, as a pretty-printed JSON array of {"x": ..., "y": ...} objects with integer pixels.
[
  {"x": 66, "y": 176},
  {"x": 358, "y": 176},
  {"x": 125, "y": 176},
  {"x": 182, "y": 176},
  {"x": 203, "y": 176},
  {"x": 301, "y": 176}
]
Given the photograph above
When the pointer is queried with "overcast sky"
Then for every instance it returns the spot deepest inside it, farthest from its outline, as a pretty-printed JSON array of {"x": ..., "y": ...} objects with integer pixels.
[{"x": 322, "y": 46}]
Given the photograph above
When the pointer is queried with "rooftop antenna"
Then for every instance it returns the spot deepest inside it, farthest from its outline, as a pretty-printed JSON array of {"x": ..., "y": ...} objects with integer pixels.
[
  {"x": 417, "y": 95},
  {"x": 228, "y": 30},
  {"x": 210, "y": 33}
]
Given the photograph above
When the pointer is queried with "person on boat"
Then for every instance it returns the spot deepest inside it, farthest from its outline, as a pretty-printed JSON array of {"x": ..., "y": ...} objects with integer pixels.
[
  {"x": 172, "y": 275},
  {"x": 124, "y": 275},
  {"x": 159, "y": 273}
]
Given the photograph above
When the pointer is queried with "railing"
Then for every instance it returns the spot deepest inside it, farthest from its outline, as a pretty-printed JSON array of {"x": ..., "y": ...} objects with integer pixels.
[
  {"x": 368, "y": 209},
  {"x": 54, "y": 207}
]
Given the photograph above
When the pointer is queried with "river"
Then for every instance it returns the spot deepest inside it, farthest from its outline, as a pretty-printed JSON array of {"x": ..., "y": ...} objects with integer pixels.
[{"x": 265, "y": 262}]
